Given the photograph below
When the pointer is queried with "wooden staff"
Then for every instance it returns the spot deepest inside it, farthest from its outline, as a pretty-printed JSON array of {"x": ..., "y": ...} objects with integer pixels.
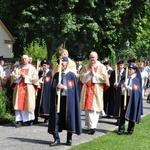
[
  {"x": 42, "y": 90},
  {"x": 116, "y": 74},
  {"x": 59, "y": 82},
  {"x": 125, "y": 93},
  {"x": 37, "y": 65},
  {"x": 60, "y": 50}
]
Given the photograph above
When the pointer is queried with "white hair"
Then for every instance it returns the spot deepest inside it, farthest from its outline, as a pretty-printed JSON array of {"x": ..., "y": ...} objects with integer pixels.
[{"x": 94, "y": 53}]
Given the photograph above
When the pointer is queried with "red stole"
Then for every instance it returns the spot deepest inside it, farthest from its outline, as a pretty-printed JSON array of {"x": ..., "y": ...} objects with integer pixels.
[
  {"x": 89, "y": 92},
  {"x": 22, "y": 92}
]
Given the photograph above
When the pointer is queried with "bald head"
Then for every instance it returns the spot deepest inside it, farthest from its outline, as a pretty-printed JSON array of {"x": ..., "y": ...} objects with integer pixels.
[
  {"x": 25, "y": 56},
  {"x": 93, "y": 57},
  {"x": 25, "y": 59},
  {"x": 94, "y": 54},
  {"x": 1, "y": 62},
  {"x": 65, "y": 53}
]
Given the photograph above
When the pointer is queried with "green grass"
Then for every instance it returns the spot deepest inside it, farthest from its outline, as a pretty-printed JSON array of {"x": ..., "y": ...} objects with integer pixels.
[{"x": 139, "y": 140}]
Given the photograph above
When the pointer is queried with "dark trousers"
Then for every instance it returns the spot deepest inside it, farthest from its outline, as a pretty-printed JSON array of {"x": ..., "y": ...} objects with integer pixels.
[
  {"x": 61, "y": 118},
  {"x": 122, "y": 117}
]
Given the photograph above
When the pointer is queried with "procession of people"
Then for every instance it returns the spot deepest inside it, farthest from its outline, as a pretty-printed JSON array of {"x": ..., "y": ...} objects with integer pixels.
[{"x": 59, "y": 92}]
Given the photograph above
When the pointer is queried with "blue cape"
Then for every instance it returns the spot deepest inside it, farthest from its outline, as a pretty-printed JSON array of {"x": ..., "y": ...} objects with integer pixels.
[{"x": 73, "y": 118}]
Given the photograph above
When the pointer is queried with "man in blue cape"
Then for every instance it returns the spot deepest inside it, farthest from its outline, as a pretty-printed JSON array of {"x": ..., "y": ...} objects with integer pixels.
[
  {"x": 69, "y": 116},
  {"x": 131, "y": 111}
]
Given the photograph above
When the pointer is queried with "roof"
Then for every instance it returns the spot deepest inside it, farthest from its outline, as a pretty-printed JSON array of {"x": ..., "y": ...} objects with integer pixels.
[{"x": 12, "y": 39}]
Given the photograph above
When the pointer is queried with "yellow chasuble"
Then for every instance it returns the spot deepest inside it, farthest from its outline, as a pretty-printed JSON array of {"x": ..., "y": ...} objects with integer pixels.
[{"x": 93, "y": 87}]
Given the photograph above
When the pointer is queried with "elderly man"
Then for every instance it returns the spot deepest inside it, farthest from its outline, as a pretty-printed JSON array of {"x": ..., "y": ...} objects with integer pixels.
[
  {"x": 95, "y": 79},
  {"x": 71, "y": 64},
  {"x": 25, "y": 82}
]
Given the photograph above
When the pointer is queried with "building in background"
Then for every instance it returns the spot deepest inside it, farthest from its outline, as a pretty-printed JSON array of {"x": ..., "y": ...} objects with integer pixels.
[{"x": 6, "y": 42}]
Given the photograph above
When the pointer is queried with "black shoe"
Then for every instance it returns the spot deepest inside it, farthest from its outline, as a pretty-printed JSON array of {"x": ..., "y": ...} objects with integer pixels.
[
  {"x": 30, "y": 123},
  {"x": 107, "y": 116},
  {"x": 117, "y": 122},
  {"x": 55, "y": 143},
  {"x": 120, "y": 132},
  {"x": 130, "y": 132},
  {"x": 18, "y": 124},
  {"x": 46, "y": 120},
  {"x": 69, "y": 142},
  {"x": 35, "y": 121},
  {"x": 91, "y": 131}
]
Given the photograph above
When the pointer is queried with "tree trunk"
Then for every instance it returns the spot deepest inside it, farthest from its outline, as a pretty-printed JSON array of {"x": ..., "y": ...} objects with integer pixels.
[
  {"x": 50, "y": 49},
  {"x": 81, "y": 52}
]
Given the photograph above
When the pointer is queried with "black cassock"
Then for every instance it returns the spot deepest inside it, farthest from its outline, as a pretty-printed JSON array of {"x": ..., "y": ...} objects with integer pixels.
[
  {"x": 115, "y": 94},
  {"x": 108, "y": 102}
]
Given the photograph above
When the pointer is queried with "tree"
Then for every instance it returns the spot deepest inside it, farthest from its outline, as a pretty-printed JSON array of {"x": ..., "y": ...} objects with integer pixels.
[
  {"x": 83, "y": 25},
  {"x": 142, "y": 41}
]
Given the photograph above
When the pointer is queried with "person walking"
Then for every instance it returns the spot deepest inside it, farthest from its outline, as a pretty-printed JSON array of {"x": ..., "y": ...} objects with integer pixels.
[
  {"x": 116, "y": 80},
  {"x": 144, "y": 77},
  {"x": 25, "y": 83},
  {"x": 79, "y": 64},
  {"x": 108, "y": 103},
  {"x": 131, "y": 106},
  {"x": 2, "y": 74},
  {"x": 62, "y": 52},
  {"x": 43, "y": 96},
  {"x": 68, "y": 118},
  {"x": 95, "y": 79}
]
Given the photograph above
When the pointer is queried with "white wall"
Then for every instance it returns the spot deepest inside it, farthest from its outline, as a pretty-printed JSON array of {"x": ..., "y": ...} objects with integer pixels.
[{"x": 5, "y": 49}]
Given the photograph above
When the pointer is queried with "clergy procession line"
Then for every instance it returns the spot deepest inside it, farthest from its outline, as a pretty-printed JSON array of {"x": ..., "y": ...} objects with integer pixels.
[{"x": 60, "y": 93}]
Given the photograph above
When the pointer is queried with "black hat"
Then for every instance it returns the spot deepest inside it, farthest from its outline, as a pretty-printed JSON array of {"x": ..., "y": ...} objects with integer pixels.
[
  {"x": 79, "y": 58},
  {"x": 106, "y": 63},
  {"x": 132, "y": 66},
  {"x": 65, "y": 59},
  {"x": 46, "y": 62},
  {"x": 120, "y": 62},
  {"x": 132, "y": 60}
]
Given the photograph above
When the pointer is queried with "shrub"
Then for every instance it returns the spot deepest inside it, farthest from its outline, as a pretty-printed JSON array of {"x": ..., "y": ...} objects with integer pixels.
[
  {"x": 5, "y": 115},
  {"x": 2, "y": 104}
]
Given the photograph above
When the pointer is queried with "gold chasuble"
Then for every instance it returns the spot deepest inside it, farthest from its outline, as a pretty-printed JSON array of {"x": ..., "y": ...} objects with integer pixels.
[{"x": 93, "y": 87}]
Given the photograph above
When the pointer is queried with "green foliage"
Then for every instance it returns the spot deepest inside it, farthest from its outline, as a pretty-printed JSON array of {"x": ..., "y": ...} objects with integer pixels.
[
  {"x": 126, "y": 54},
  {"x": 5, "y": 117},
  {"x": 76, "y": 23},
  {"x": 142, "y": 41},
  {"x": 54, "y": 58},
  {"x": 8, "y": 118},
  {"x": 36, "y": 51},
  {"x": 112, "y": 58},
  {"x": 2, "y": 104}
]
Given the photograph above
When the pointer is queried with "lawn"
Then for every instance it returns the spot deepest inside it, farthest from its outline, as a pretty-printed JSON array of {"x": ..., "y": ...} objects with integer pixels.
[{"x": 139, "y": 140}]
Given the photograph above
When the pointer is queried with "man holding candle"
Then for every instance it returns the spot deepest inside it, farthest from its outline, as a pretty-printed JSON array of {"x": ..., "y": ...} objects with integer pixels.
[
  {"x": 130, "y": 111},
  {"x": 68, "y": 118},
  {"x": 116, "y": 80}
]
